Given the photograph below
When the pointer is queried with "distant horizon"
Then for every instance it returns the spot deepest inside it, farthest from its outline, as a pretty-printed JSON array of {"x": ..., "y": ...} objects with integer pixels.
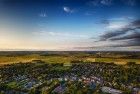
[{"x": 37, "y": 50}]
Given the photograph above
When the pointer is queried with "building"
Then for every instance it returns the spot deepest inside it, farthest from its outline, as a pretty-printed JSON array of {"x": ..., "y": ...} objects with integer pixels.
[{"x": 111, "y": 90}]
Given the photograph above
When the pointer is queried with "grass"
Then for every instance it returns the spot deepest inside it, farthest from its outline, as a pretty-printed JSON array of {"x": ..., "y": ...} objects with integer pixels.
[
  {"x": 117, "y": 61},
  {"x": 58, "y": 68},
  {"x": 12, "y": 85},
  {"x": 60, "y": 59},
  {"x": 28, "y": 58}
]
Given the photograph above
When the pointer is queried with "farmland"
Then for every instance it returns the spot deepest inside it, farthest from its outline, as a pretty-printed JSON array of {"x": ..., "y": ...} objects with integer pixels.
[{"x": 67, "y": 57}]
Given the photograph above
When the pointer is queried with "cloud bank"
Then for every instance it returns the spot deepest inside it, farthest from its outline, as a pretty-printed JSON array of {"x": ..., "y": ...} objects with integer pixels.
[{"x": 129, "y": 35}]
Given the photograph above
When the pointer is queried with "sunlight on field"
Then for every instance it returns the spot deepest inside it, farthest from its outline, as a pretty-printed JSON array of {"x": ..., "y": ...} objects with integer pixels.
[
  {"x": 117, "y": 61},
  {"x": 60, "y": 59},
  {"x": 28, "y": 58}
]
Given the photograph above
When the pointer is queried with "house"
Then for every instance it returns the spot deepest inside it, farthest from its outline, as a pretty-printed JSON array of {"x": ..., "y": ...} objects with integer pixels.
[{"x": 110, "y": 90}]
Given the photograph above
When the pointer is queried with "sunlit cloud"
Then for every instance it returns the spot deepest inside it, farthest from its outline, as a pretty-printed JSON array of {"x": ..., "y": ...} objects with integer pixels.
[
  {"x": 117, "y": 23},
  {"x": 60, "y": 34},
  {"x": 130, "y": 34},
  {"x": 113, "y": 26},
  {"x": 68, "y": 9}
]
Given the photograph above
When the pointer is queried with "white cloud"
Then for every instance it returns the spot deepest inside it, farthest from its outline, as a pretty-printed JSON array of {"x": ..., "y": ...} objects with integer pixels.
[
  {"x": 106, "y": 2},
  {"x": 130, "y": 2},
  {"x": 100, "y": 2},
  {"x": 60, "y": 34},
  {"x": 68, "y": 10},
  {"x": 94, "y": 3},
  {"x": 116, "y": 25},
  {"x": 49, "y": 33},
  {"x": 43, "y": 15},
  {"x": 124, "y": 18},
  {"x": 89, "y": 13}
]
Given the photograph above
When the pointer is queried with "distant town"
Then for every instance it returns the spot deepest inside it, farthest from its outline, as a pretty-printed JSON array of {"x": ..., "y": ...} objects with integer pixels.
[{"x": 76, "y": 77}]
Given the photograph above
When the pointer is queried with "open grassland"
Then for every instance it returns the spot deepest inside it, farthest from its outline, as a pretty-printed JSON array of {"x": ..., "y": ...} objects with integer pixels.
[
  {"x": 62, "y": 59},
  {"x": 117, "y": 60},
  {"x": 28, "y": 58}
]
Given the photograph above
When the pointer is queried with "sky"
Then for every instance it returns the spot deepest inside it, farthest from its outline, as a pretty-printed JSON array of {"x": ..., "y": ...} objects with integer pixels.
[{"x": 93, "y": 25}]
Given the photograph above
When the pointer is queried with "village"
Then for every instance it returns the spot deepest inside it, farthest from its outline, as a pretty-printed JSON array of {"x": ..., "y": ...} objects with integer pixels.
[{"x": 77, "y": 77}]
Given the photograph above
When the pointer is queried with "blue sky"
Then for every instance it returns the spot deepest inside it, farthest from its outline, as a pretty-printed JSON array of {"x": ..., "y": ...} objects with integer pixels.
[{"x": 70, "y": 25}]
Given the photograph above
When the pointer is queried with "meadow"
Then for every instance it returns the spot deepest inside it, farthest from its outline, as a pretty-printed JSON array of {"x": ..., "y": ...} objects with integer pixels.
[{"x": 66, "y": 57}]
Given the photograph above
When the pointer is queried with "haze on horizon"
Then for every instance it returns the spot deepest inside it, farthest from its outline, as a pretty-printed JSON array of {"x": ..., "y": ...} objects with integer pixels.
[{"x": 96, "y": 25}]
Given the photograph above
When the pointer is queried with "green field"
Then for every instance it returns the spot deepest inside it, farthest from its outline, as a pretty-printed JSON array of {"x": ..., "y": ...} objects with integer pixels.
[{"x": 63, "y": 59}]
